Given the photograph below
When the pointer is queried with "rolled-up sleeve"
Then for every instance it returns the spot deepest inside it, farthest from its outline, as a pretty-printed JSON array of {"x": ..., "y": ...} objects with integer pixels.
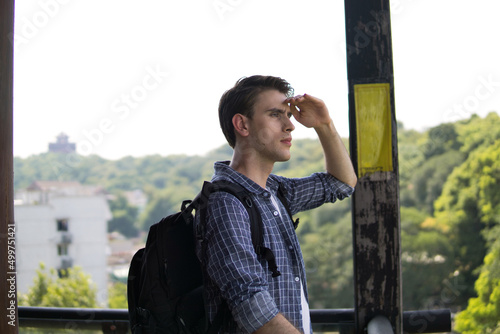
[
  {"x": 255, "y": 312},
  {"x": 335, "y": 188}
]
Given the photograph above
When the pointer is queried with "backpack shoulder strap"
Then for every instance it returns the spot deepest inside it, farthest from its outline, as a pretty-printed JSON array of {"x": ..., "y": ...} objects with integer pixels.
[{"x": 256, "y": 224}]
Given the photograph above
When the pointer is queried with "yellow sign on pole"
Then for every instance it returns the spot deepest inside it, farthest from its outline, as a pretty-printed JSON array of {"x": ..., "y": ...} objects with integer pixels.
[{"x": 373, "y": 128}]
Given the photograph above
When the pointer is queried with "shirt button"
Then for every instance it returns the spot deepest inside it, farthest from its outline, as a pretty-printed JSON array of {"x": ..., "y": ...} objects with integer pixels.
[
  {"x": 297, "y": 279},
  {"x": 290, "y": 247},
  {"x": 276, "y": 213}
]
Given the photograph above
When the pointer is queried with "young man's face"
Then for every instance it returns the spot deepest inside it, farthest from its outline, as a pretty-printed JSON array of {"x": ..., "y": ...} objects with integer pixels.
[{"x": 271, "y": 127}]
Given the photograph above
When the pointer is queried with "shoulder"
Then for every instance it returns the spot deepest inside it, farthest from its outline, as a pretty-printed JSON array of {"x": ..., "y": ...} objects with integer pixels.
[
  {"x": 227, "y": 219},
  {"x": 223, "y": 205}
]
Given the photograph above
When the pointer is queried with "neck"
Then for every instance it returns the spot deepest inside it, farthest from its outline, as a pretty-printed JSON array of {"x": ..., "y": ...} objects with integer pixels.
[{"x": 252, "y": 167}]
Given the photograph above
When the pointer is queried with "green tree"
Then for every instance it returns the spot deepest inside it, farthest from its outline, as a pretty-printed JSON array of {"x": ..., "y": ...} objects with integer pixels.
[
  {"x": 428, "y": 180},
  {"x": 39, "y": 289},
  {"x": 68, "y": 288},
  {"x": 469, "y": 207},
  {"x": 410, "y": 156},
  {"x": 118, "y": 295},
  {"x": 425, "y": 250},
  {"x": 476, "y": 132},
  {"x": 329, "y": 265},
  {"x": 163, "y": 203},
  {"x": 441, "y": 139},
  {"x": 483, "y": 312},
  {"x": 124, "y": 217}
]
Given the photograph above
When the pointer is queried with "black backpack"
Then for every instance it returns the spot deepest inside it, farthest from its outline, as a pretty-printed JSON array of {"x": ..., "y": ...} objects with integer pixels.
[{"x": 165, "y": 280}]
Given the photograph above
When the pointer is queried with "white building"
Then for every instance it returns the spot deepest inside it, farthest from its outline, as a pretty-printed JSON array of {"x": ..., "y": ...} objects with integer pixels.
[{"x": 62, "y": 224}]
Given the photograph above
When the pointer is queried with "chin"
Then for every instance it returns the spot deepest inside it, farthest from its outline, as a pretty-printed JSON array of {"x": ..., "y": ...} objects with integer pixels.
[{"x": 284, "y": 158}]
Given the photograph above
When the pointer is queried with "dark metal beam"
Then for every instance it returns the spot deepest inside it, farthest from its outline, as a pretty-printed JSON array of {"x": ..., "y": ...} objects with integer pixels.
[
  {"x": 8, "y": 299},
  {"x": 328, "y": 320},
  {"x": 373, "y": 145}
]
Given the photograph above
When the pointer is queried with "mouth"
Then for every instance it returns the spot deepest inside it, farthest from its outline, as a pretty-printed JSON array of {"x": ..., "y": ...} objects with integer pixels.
[{"x": 287, "y": 141}]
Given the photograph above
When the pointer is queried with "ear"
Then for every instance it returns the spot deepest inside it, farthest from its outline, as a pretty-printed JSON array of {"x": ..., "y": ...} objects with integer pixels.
[{"x": 240, "y": 123}]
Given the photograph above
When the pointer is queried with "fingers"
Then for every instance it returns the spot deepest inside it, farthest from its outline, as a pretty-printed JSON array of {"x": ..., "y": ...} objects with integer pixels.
[
  {"x": 296, "y": 99},
  {"x": 305, "y": 98},
  {"x": 294, "y": 102},
  {"x": 308, "y": 110}
]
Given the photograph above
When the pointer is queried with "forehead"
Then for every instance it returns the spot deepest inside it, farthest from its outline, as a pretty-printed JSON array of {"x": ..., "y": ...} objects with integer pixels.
[{"x": 269, "y": 99}]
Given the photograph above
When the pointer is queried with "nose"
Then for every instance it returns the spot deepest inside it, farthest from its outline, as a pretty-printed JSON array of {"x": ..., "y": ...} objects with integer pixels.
[{"x": 289, "y": 126}]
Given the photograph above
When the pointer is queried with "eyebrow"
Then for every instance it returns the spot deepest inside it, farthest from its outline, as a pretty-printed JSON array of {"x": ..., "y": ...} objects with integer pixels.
[{"x": 281, "y": 111}]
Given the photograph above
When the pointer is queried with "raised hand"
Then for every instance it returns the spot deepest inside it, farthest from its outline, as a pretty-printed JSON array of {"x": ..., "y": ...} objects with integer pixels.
[{"x": 309, "y": 110}]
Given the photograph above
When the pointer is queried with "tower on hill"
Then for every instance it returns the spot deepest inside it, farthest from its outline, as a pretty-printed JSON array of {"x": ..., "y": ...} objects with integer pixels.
[{"x": 62, "y": 145}]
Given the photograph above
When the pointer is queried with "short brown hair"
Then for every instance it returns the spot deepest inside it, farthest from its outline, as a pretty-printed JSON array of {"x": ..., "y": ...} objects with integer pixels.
[{"x": 241, "y": 99}]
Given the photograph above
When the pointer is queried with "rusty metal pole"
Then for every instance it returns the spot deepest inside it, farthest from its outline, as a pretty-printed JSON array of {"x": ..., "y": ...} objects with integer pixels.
[
  {"x": 373, "y": 145},
  {"x": 8, "y": 306}
]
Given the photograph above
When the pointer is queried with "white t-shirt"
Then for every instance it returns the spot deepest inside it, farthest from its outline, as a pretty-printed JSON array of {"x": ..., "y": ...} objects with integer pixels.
[{"x": 306, "y": 317}]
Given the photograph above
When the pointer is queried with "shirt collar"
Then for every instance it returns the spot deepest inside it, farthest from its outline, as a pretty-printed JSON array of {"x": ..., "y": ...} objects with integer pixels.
[{"x": 225, "y": 172}]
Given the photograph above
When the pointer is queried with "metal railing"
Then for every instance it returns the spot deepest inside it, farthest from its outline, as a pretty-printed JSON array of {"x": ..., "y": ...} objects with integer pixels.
[{"x": 116, "y": 320}]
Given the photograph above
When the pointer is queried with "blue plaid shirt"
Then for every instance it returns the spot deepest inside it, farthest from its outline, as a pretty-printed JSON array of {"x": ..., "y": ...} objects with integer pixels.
[{"x": 235, "y": 273}]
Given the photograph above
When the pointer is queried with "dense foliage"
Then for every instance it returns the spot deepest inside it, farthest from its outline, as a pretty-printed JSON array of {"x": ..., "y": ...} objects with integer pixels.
[
  {"x": 71, "y": 288},
  {"x": 450, "y": 212}
]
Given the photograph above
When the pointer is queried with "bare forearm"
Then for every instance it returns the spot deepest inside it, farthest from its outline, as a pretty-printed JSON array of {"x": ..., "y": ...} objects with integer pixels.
[
  {"x": 278, "y": 325},
  {"x": 338, "y": 162}
]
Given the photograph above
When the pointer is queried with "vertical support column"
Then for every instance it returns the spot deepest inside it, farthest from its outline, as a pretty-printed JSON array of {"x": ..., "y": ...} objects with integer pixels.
[
  {"x": 8, "y": 299},
  {"x": 373, "y": 145}
]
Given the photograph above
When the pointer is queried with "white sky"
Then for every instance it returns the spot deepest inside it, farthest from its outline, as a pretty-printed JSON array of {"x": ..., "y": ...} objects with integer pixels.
[{"x": 124, "y": 77}]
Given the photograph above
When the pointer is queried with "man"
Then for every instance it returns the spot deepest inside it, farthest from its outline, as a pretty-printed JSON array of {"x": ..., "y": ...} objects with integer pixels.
[{"x": 255, "y": 117}]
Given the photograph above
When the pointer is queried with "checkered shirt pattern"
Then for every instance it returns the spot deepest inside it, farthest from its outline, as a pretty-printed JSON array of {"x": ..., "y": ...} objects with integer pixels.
[{"x": 234, "y": 272}]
